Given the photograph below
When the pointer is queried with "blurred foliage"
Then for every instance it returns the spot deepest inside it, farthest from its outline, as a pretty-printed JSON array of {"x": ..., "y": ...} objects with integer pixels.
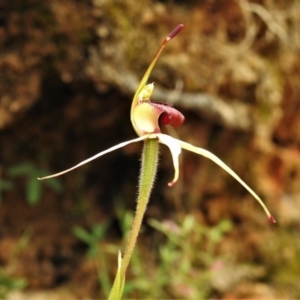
[
  {"x": 8, "y": 282},
  {"x": 33, "y": 185},
  {"x": 94, "y": 238},
  {"x": 182, "y": 268}
]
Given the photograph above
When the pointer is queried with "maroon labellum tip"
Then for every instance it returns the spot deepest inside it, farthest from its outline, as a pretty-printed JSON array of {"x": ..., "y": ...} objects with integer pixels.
[
  {"x": 169, "y": 115},
  {"x": 272, "y": 220},
  {"x": 175, "y": 31}
]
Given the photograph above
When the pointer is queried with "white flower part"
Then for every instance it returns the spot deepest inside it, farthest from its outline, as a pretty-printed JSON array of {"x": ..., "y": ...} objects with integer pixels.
[
  {"x": 141, "y": 138},
  {"x": 219, "y": 162},
  {"x": 175, "y": 148}
]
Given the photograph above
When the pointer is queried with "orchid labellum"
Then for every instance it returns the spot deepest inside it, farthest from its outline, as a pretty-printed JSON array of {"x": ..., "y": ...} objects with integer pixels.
[{"x": 146, "y": 114}]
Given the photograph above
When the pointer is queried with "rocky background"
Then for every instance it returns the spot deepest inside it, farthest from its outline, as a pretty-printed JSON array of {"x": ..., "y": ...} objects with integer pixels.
[{"x": 68, "y": 71}]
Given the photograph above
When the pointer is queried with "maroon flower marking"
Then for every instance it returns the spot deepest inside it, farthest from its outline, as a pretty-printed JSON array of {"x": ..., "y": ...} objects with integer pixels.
[{"x": 169, "y": 115}]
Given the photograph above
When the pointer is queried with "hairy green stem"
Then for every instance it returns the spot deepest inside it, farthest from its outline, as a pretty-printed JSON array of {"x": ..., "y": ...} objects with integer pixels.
[{"x": 147, "y": 177}]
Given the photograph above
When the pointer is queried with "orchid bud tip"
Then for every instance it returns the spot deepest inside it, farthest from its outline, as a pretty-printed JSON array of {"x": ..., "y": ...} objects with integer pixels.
[
  {"x": 175, "y": 32},
  {"x": 272, "y": 220}
]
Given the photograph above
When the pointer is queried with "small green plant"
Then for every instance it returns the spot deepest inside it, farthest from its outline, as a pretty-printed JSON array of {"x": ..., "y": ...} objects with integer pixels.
[
  {"x": 145, "y": 116},
  {"x": 33, "y": 187},
  {"x": 98, "y": 250},
  {"x": 9, "y": 283},
  {"x": 91, "y": 237},
  {"x": 188, "y": 253},
  {"x": 94, "y": 238},
  {"x": 190, "y": 232}
]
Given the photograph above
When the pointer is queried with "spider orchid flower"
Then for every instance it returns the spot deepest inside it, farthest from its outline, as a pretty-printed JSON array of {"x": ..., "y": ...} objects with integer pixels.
[{"x": 146, "y": 116}]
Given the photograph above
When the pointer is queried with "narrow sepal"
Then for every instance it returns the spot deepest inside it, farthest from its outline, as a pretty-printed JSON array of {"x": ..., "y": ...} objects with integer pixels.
[
  {"x": 219, "y": 162},
  {"x": 175, "y": 146},
  {"x": 96, "y": 156},
  {"x": 148, "y": 72}
]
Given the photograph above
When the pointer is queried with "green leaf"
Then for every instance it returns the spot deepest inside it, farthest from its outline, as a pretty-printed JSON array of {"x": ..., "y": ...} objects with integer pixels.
[
  {"x": 99, "y": 230},
  {"x": 118, "y": 286},
  {"x": 83, "y": 235},
  {"x": 34, "y": 191},
  {"x": 21, "y": 169},
  {"x": 93, "y": 251}
]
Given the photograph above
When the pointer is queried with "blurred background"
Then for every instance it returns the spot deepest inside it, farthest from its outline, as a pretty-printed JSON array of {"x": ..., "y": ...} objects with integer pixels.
[{"x": 68, "y": 72}]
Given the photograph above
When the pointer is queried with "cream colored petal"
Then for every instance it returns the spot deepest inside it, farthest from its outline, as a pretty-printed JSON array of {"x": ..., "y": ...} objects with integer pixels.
[
  {"x": 98, "y": 155},
  {"x": 175, "y": 149},
  {"x": 145, "y": 117},
  {"x": 215, "y": 159}
]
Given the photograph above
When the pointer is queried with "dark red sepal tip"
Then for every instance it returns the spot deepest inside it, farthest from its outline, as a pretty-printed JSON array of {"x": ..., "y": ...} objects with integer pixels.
[
  {"x": 272, "y": 220},
  {"x": 175, "y": 31}
]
